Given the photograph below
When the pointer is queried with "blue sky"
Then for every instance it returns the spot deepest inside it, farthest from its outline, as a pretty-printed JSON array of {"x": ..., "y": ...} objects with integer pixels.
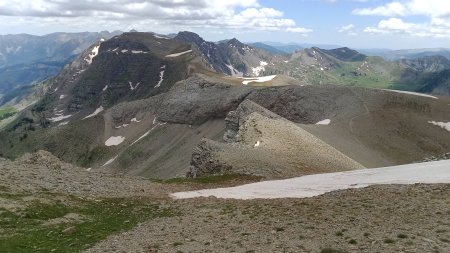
[{"x": 354, "y": 23}]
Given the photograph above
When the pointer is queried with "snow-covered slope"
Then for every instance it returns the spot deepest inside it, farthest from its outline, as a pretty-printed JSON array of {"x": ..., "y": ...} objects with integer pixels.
[{"x": 314, "y": 185}]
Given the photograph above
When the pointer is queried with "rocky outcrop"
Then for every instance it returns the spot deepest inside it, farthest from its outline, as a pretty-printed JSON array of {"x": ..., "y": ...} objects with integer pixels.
[
  {"x": 196, "y": 99},
  {"x": 205, "y": 160},
  {"x": 445, "y": 156},
  {"x": 262, "y": 143},
  {"x": 41, "y": 158},
  {"x": 236, "y": 118}
]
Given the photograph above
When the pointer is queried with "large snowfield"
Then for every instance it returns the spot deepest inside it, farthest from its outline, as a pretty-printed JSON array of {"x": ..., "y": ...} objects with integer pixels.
[{"x": 314, "y": 185}]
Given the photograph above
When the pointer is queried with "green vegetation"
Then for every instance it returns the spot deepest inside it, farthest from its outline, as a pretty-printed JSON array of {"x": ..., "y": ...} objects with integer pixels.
[
  {"x": 38, "y": 227},
  {"x": 330, "y": 250},
  {"x": 339, "y": 233},
  {"x": 402, "y": 236},
  {"x": 353, "y": 241},
  {"x": 388, "y": 240},
  {"x": 45, "y": 103},
  {"x": 7, "y": 112}
]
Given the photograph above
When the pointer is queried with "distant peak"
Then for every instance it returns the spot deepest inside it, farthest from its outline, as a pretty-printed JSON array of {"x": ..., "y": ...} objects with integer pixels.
[
  {"x": 234, "y": 42},
  {"x": 189, "y": 37}
]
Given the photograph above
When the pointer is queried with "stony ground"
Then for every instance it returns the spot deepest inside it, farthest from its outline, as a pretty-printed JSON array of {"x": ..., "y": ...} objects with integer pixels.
[
  {"x": 44, "y": 172},
  {"x": 376, "y": 219},
  {"x": 46, "y": 205}
]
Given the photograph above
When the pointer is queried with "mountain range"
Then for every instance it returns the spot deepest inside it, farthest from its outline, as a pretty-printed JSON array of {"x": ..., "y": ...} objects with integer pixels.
[
  {"x": 26, "y": 60},
  {"x": 168, "y": 106}
]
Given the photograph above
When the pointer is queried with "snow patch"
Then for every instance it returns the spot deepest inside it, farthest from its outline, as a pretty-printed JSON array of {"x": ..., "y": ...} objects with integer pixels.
[
  {"x": 161, "y": 76},
  {"x": 97, "y": 111},
  {"x": 62, "y": 97},
  {"x": 114, "y": 141},
  {"x": 105, "y": 88},
  {"x": 261, "y": 79},
  {"x": 124, "y": 125},
  {"x": 124, "y": 51},
  {"x": 234, "y": 72},
  {"x": 257, "y": 70},
  {"x": 135, "y": 120},
  {"x": 257, "y": 144},
  {"x": 138, "y": 52},
  {"x": 324, "y": 122},
  {"x": 412, "y": 93},
  {"x": 315, "y": 185},
  {"x": 63, "y": 123},
  {"x": 92, "y": 55},
  {"x": 443, "y": 125},
  {"x": 59, "y": 118},
  {"x": 178, "y": 54},
  {"x": 133, "y": 87},
  {"x": 110, "y": 161},
  {"x": 161, "y": 37}
]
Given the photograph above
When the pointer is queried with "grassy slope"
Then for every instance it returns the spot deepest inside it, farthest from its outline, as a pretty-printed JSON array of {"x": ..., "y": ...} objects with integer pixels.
[
  {"x": 380, "y": 74},
  {"x": 31, "y": 229},
  {"x": 7, "y": 112}
]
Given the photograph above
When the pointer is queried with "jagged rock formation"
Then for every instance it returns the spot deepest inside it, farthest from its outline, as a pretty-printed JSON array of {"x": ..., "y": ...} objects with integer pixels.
[
  {"x": 236, "y": 118},
  {"x": 231, "y": 57}
]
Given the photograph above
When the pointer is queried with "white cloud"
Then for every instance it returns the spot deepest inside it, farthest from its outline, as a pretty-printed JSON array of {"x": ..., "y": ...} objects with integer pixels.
[
  {"x": 436, "y": 11},
  {"x": 349, "y": 29},
  {"x": 346, "y": 28},
  {"x": 438, "y": 28},
  {"x": 429, "y": 8},
  {"x": 142, "y": 14},
  {"x": 390, "y": 9},
  {"x": 298, "y": 30}
]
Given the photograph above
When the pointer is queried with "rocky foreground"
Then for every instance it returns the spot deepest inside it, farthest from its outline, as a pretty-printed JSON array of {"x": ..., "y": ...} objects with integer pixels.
[{"x": 47, "y": 205}]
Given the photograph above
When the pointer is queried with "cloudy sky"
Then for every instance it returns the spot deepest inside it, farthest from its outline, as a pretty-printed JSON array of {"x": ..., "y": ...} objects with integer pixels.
[{"x": 354, "y": 23}]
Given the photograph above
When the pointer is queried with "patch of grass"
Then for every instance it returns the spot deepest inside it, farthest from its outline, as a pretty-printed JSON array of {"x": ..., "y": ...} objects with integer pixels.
[
  {"x": 177, "y": 244},
  {"x": 43, "y": 211},
  {"x": 25, "y": 231},
  {"x": 331, "y": 250},
  {"x": 402, "y": 236},
  {"x": 352, "y": 241},
  {"x": 7, "y": 112},
  {"x": 389, "y": 241},
  {"x": 444, "y": 240},
  {"x": 279, "y": 229},
  {"x": 339, "y": 233}
]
